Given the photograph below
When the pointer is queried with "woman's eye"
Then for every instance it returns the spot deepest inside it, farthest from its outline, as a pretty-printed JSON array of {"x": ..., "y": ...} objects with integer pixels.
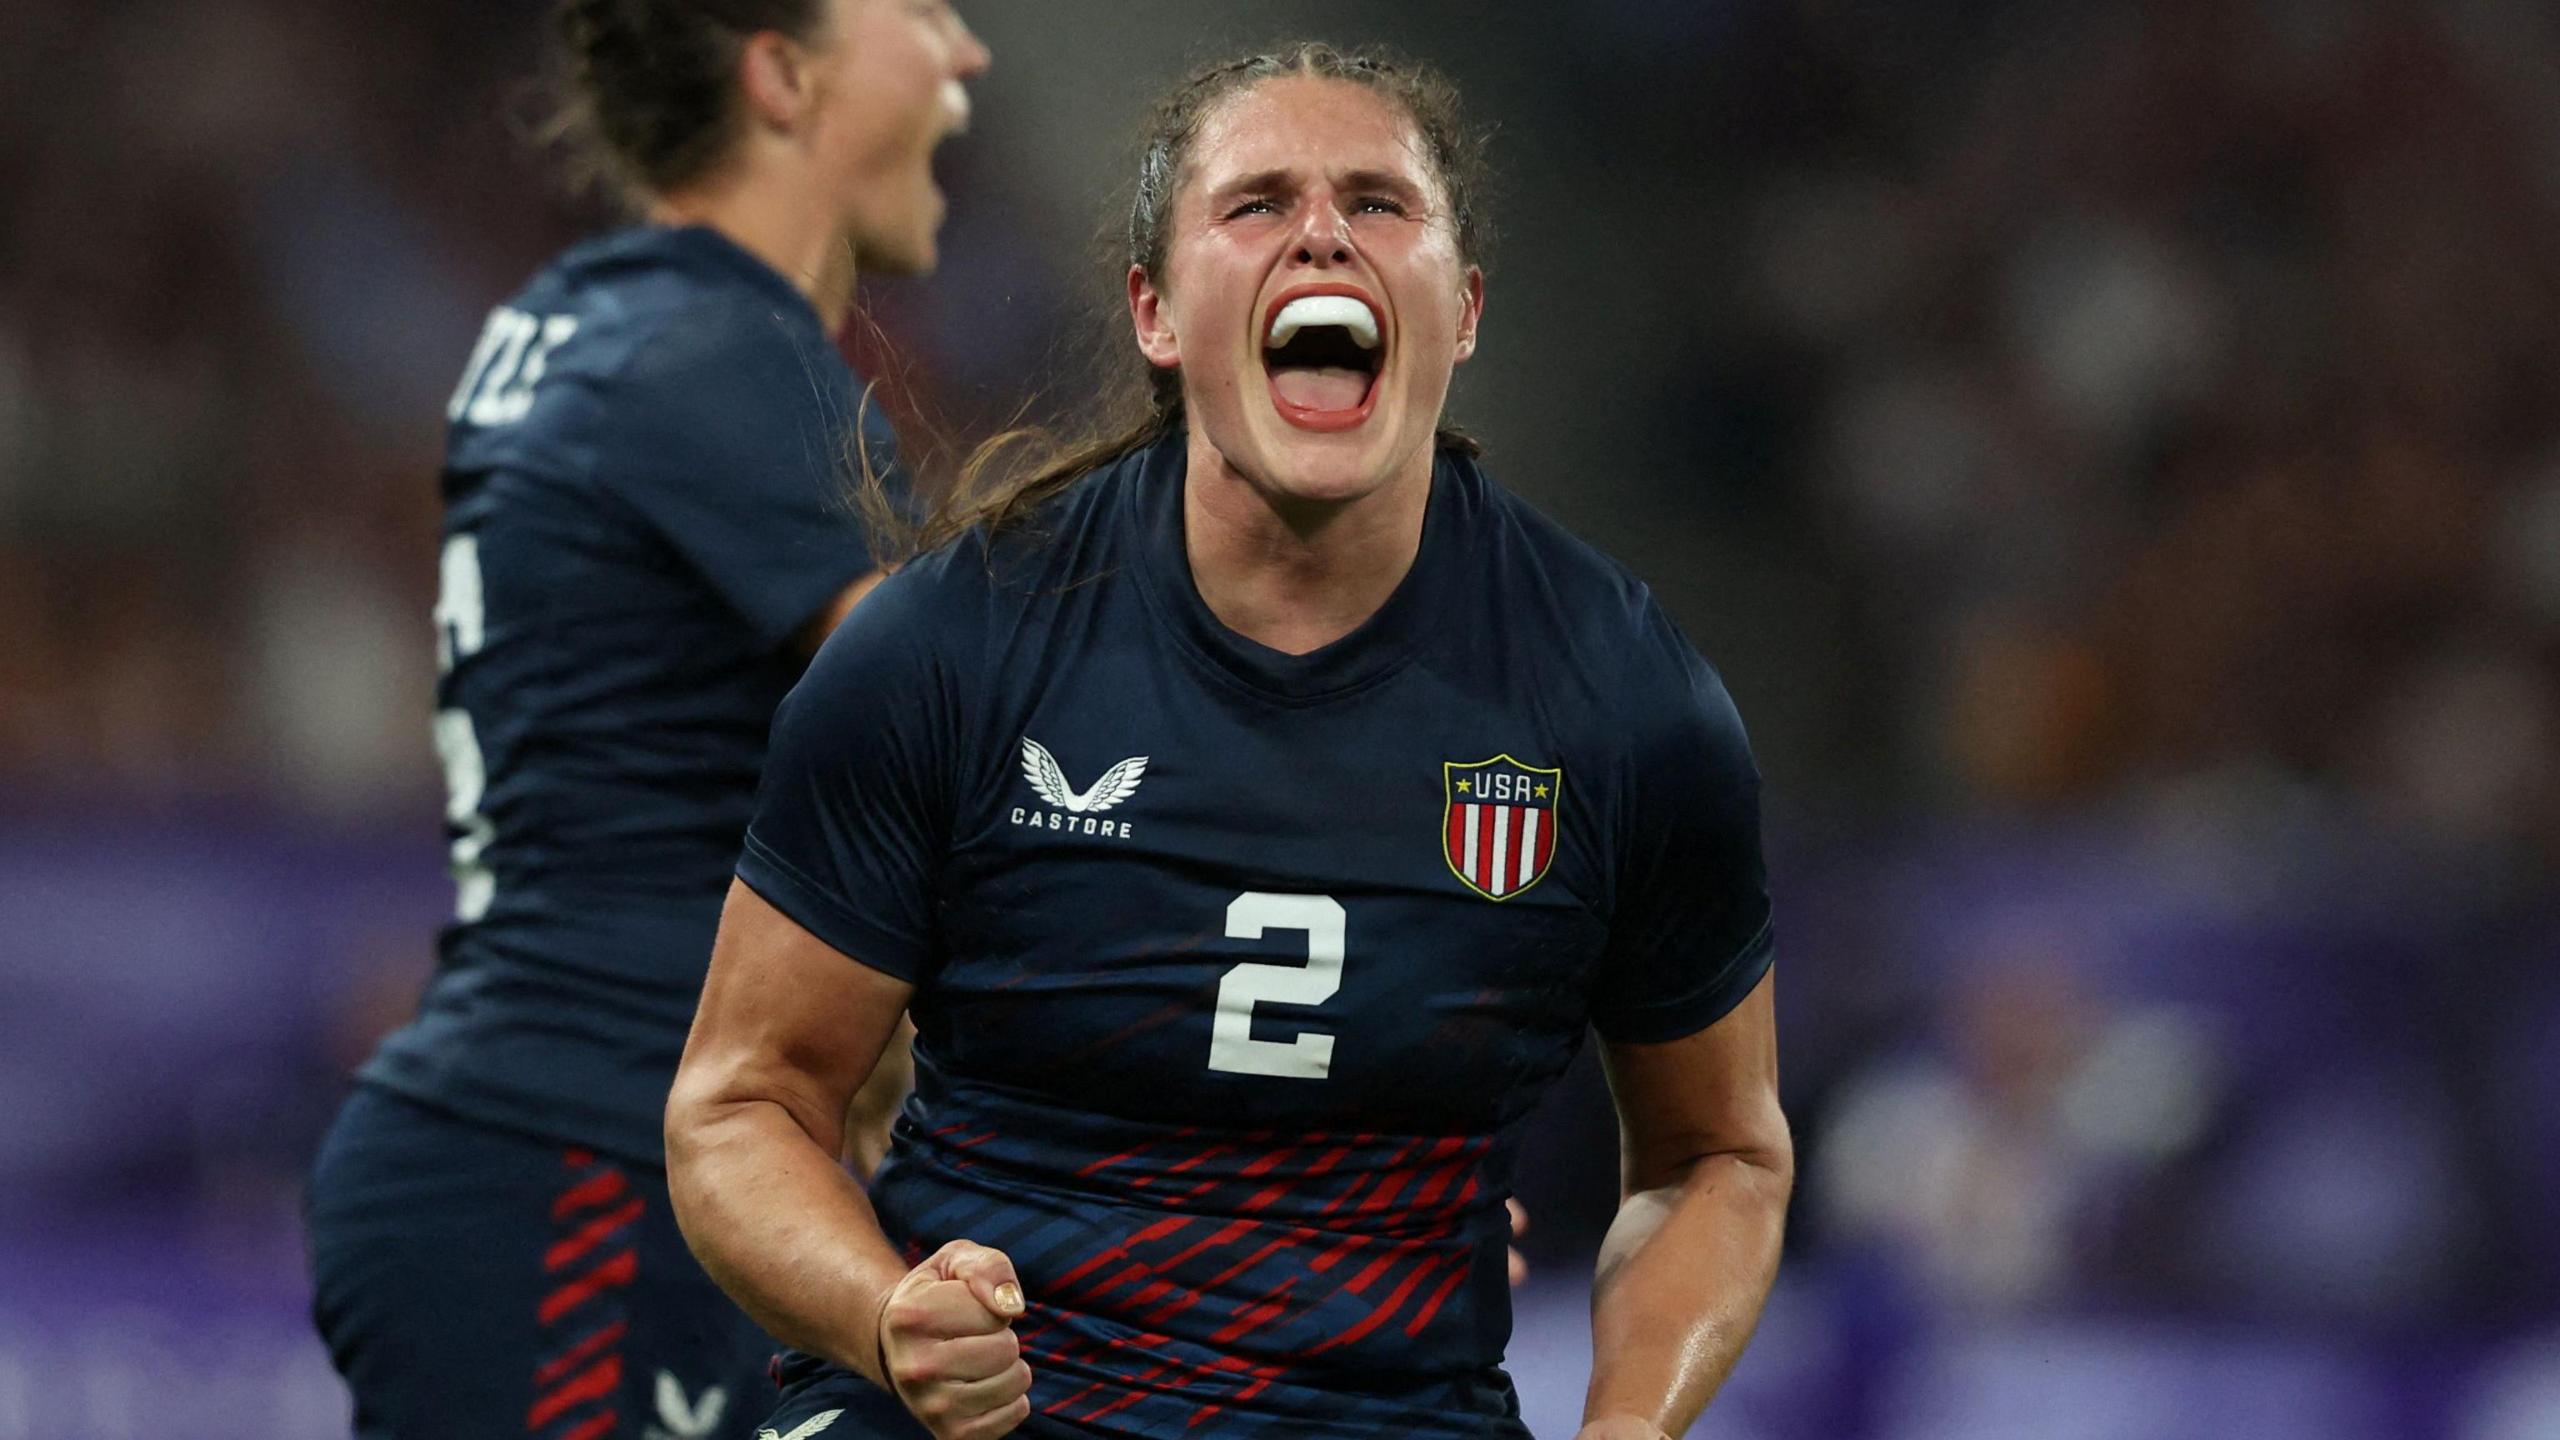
[
  {"x": 1252, "y": 207},
  {"x": 1376, "y": 205}
]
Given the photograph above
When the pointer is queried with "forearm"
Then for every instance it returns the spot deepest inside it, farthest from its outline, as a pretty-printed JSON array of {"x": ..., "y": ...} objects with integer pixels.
[
  {"x": 1683, "y": 1274},
  {"x": 775, "y": 1219}
]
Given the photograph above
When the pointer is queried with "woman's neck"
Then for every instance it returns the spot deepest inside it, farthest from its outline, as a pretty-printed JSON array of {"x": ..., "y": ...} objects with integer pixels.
[
  {"x": 1297, "y": 577},
  {"x": 777, "y": 225}
]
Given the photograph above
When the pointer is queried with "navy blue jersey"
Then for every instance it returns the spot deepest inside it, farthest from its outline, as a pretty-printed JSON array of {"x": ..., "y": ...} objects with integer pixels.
[
  {"x": 642, "y": 491},
  {"x": 1237, "y": 972}
]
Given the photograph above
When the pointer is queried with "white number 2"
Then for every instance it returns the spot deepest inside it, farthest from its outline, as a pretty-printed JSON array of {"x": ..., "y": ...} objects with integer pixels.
[
  {"x": 461, "y": 626},
  {"x": 1231, "y": 1044}
]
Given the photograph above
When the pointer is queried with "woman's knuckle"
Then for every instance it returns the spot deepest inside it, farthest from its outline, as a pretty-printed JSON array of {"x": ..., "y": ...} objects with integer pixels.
[{"x": 992, "y": 1423}]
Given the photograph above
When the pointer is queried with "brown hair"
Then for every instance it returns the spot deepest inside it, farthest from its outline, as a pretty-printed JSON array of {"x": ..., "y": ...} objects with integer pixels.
[
  {"x": 645, "y": 89},
  {"x": 1012, "y": 473}
]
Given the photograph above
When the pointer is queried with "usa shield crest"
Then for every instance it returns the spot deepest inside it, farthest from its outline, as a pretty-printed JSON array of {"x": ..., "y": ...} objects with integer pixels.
[{"x": 1499, "y": 834}]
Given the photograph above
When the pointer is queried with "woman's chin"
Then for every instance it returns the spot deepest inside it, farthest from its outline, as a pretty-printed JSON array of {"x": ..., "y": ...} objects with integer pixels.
[
  {"x": 1325, "y": 474},
  {"x": 905, "y": 243}
]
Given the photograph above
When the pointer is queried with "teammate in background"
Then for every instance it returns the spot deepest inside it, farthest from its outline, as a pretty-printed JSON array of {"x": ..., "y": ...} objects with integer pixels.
[
  {"x": 642, "y": 546},
  {"x": 1256, "y": 807}
]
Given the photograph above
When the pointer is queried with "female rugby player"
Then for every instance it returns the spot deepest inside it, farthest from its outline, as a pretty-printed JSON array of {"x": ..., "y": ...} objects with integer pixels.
[
  {"x": 1255, "y": 810},
  {"x": 641, "y": 548}
]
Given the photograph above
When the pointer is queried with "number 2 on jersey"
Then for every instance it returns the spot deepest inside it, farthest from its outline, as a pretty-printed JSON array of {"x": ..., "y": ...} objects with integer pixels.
[{"x": 1232, "y": 1047}]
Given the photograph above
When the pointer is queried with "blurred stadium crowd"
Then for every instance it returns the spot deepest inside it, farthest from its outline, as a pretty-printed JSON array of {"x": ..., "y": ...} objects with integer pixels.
[{"x": 2113, "y": 451}]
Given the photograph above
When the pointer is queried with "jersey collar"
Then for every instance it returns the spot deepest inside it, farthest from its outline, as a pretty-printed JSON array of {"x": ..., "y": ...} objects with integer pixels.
[{"x": 706, "y": 246}]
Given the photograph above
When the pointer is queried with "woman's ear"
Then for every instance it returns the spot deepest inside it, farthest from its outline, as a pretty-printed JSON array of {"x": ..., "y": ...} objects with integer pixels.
[
  {"x": 1470, "y": 313},
  {"x": 1147, "y": 316},
  {"x": 772, "y": 80}
]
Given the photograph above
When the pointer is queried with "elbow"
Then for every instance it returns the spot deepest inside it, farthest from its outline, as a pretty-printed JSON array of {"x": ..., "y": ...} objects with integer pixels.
[
  {"x": 1761, "y": 1159},
  {"x": 701, "y": 1129},
  {"x": 723, "y": 1118},
  {"x": 689, "y": 1128},
  {"x": 1765, "y": 1169},
  {"x": 1766, "y": 1148},
  {"x": 1768, "y": 1157},
  {"x": 1776, "y": 1167},
  {"x": 682, "y": 1120},
  {"x": 681, "y": 1129},
  {"x": 1775, "y": 1157}
]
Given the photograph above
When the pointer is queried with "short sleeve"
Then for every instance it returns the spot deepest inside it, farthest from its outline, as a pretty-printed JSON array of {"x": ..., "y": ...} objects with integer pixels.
[
  {"x": 739, "y": 440},
  {"x": 1690, "y": 933},
  {"x": 853, "y": 816}
]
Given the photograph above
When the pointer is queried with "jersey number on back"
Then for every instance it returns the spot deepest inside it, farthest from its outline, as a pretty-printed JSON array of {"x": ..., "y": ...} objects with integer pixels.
[
  {"x": 461, "y": 626},
  {"x": 1232, "y": 1047}
]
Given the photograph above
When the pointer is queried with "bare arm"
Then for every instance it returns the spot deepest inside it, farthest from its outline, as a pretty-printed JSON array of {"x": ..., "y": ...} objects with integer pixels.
[
  {"x": 787, "y": 1031},
  {"x": 1688, "y": 1263}
]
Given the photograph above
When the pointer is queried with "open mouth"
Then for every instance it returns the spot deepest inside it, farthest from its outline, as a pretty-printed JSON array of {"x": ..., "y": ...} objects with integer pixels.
[
  {"x": 951, "y": 120},
  {"x": 1323, "y": 354}
]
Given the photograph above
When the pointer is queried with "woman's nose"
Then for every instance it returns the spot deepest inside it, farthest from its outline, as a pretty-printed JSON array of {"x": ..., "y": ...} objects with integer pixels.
[{"x": 1322, "y": 240}]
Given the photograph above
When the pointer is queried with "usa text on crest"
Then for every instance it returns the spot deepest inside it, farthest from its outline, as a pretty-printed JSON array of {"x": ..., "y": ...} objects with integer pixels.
[{"x": 1499, "y": 833}]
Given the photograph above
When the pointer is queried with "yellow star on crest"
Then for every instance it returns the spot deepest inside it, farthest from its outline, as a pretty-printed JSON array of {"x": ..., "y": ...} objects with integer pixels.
[
  {"x": 1466, "y": 787},
  {"x": 1542, "y": 792}
]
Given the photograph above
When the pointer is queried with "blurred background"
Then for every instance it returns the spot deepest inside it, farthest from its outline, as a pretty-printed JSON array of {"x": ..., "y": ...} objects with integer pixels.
[{"x": 2111, "y": 449}]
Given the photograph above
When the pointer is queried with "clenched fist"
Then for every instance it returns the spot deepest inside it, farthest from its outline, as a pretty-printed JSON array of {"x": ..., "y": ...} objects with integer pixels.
[{"x": 946, "y": 1341}]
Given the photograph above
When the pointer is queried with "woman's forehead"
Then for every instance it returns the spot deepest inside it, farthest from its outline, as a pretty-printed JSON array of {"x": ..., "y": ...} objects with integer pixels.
[{"x": 1306, "y": 126}]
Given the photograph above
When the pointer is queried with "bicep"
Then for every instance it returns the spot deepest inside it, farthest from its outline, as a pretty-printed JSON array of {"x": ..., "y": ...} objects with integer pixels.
[
  {"x": 1714, "y": 1092},
  {"x": 785, "y": 1019}
]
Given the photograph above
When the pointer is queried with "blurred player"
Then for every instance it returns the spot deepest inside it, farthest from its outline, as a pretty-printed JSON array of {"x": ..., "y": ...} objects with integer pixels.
[
  {"x": 642, "y": 545},
  {"x": 1256, "y": 807}
]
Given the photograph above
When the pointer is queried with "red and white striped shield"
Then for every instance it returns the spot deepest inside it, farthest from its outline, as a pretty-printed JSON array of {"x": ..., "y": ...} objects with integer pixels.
[{"x": 1500, "y": 832}]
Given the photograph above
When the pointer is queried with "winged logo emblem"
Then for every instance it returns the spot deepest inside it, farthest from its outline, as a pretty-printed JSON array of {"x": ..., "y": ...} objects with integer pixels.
[
  {"x": 680, "y": 1419},
  {"x": 1117, "y": 783},
  {"x": 805, "y": 1428}
]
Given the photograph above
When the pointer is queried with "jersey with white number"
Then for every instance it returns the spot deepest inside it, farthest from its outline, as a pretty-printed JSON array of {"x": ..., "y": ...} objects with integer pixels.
[
  {"x": 643, "y": 491},
  {"x": 1237, "y": 972}
]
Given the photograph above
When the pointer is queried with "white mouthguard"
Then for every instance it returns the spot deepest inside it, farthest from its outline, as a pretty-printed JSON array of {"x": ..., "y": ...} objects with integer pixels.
[{"x": 1342, "y": 310}]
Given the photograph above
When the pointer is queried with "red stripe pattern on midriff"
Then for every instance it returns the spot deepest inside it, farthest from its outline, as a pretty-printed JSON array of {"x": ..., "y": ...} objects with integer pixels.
[{"x": 1180, "y": 1274}]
